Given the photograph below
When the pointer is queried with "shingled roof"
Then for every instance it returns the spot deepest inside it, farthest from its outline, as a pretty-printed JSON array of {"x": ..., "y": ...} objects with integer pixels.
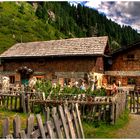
[{"x": 64, "y": 47}]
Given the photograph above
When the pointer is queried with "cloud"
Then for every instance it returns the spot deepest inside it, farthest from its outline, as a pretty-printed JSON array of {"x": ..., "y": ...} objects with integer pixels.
[{"x": 122, "y": 12}]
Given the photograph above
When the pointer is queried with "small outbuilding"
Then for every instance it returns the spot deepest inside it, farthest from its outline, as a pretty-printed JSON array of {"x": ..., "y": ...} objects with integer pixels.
[{"x": 124, "y": 66}]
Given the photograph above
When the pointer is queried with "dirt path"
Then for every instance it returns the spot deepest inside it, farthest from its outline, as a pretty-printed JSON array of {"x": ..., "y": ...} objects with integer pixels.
[{"x": 132, "y": 129}]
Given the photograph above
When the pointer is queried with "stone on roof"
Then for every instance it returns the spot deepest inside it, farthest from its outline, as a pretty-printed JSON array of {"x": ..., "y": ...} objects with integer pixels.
[{"x": 63, "y": 47}]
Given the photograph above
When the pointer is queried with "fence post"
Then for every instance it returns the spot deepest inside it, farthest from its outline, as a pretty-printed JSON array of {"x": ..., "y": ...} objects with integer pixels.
[
  {"x": 16, "y": 126},
  {"x": 30, "y": 125},
  {"x": 23, "y": 102},
  {"x": 69, "y": 121},
  {"x": 79, "y": 120},
  {"x": 28, "y": 103},
  {"x": 5, "y": 130},
  {"x": 40, "y": 126},
  {"x": 113, "y": 113},
  {"x": 63, "y": 119},
  {"x": 56, "y": 124}
]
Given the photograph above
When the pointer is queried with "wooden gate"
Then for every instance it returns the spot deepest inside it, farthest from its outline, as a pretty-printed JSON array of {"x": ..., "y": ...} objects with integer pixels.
[{"x": 134, "y": 102}]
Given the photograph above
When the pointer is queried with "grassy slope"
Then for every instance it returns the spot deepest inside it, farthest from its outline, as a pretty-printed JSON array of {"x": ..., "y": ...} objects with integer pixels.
[{"x": 16, "y": 26}]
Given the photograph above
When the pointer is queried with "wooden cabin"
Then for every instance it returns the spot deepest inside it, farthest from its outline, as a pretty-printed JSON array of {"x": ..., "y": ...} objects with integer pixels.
[
  {"x": 124, "y": 66},
  {"x": 57, "y": 60}
]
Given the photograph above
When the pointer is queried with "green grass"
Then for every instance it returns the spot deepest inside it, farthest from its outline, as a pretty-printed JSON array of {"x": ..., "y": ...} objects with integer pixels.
[
  {"x": 105, "y": 130},
  {"x": 5, "y": 113}
]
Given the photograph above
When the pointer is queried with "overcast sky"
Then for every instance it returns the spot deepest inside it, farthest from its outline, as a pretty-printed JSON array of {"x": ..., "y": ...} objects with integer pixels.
[{"x": 122, "y": 12}]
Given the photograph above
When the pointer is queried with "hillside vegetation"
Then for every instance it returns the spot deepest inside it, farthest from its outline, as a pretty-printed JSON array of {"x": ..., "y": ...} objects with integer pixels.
[{"x": 32, "y": 21}]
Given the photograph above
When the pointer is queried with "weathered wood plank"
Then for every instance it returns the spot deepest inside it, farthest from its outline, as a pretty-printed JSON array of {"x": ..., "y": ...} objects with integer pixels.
[
  {"x": 69, "y": 121},
  {"x": 22, "y": 134},
  {"x": 30, "y": 125},
  {"x": 10, "y": 136},
  {"x": 11, "y": 103},
  {"x": 5, "y": 127},
  {"x": 48, "y": 114},
  {"x": 20, "y": 102},
  {"x": 40, "y": 126},
  {"x": 7, "y": 105},
  {"x": 28, "y": 103},
  {"x": 23, "y": 103},
  {"x": 57, "y": 125},
  {"x": 76, "y": 124},
  {"x": 63, "y": 119},
  {"x": 35, "y": 134},
  {"x": 50, "y": 130},
  {"x": 113, "y": 118},
  {"x": 15, "y": 106},
  {"x": 79, "y": 120},
  {"x": 16, "y": 126}
]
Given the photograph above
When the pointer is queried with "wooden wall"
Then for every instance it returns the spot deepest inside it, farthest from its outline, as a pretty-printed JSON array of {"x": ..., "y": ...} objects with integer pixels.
[
  {"x": 122, "y": 63},
  {"x": 54, "y": 65}
]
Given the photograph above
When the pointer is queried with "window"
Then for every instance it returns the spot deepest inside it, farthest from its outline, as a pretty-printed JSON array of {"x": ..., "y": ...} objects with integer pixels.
[
  {"x": 39, "y": 77},
  {"x": 130, "y": 57},
  {"x": 131, "y": 81},
  {"x": 12, "y": 79},
  {"x": 111, "y": 80},
  {"x": 67, "y": 81}
]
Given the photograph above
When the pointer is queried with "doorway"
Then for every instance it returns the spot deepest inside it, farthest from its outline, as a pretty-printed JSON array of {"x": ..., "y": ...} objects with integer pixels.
[{"x": 25, "y": 74}]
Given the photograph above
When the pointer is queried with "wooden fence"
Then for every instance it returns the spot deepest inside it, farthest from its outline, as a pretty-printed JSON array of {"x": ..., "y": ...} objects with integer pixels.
[
  {"x": 17, "y": 101},
  {"x": 107, "y": 108},
  {"x": 134, "y": 101},
  {"x": 60, "y": 122},
  {"x": 104, "y": 108},
  {"x": 11, "y": 102}
]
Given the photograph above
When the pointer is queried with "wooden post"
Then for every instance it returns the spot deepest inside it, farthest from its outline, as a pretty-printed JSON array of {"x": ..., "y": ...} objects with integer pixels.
[
  {"x": 48, "y": 114},
  {"x": 5, "y": 126},
  {"x": 56, "y": 123},
  {"x": 70, "y": 124},
  {"x": 16, "y": 126},
  {"x": 63, "y": 119},
  {"x": 28, "y": 104},
  {"x": 10, "y": 136},
  {"x": 76, "y": 124},
  {"x": 133, "y": 101},
  {"x": 15, "y": 107},
  {"x": 20, "y": 102},
  {"x": 30, "y": 125},
  {"x": 40, "y": 126},
  {"x": 11, "y": 103},
  {"x": 23, "y": 103},
  {"x": 7, "y": 102},
  {"x": 113, "y": 113},
  {"x": 50, "y": 129},
  {"x": 22, "y": 135},
  {"x": 130, "y": 93},
  {"x": 79, "y": 120}
]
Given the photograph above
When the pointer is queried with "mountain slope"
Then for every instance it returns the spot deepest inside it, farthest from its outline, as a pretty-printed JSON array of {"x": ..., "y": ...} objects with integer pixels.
[
  {"x": 32, "y": 21},
  {"x": 20, "y": 24}
]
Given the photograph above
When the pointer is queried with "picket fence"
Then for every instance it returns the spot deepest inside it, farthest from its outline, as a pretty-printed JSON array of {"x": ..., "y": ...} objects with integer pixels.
[{"x": 60, "y": 122}]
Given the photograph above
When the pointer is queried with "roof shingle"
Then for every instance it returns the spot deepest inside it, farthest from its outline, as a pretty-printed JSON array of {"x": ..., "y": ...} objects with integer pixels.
[{"x": 64, "y": 47}]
